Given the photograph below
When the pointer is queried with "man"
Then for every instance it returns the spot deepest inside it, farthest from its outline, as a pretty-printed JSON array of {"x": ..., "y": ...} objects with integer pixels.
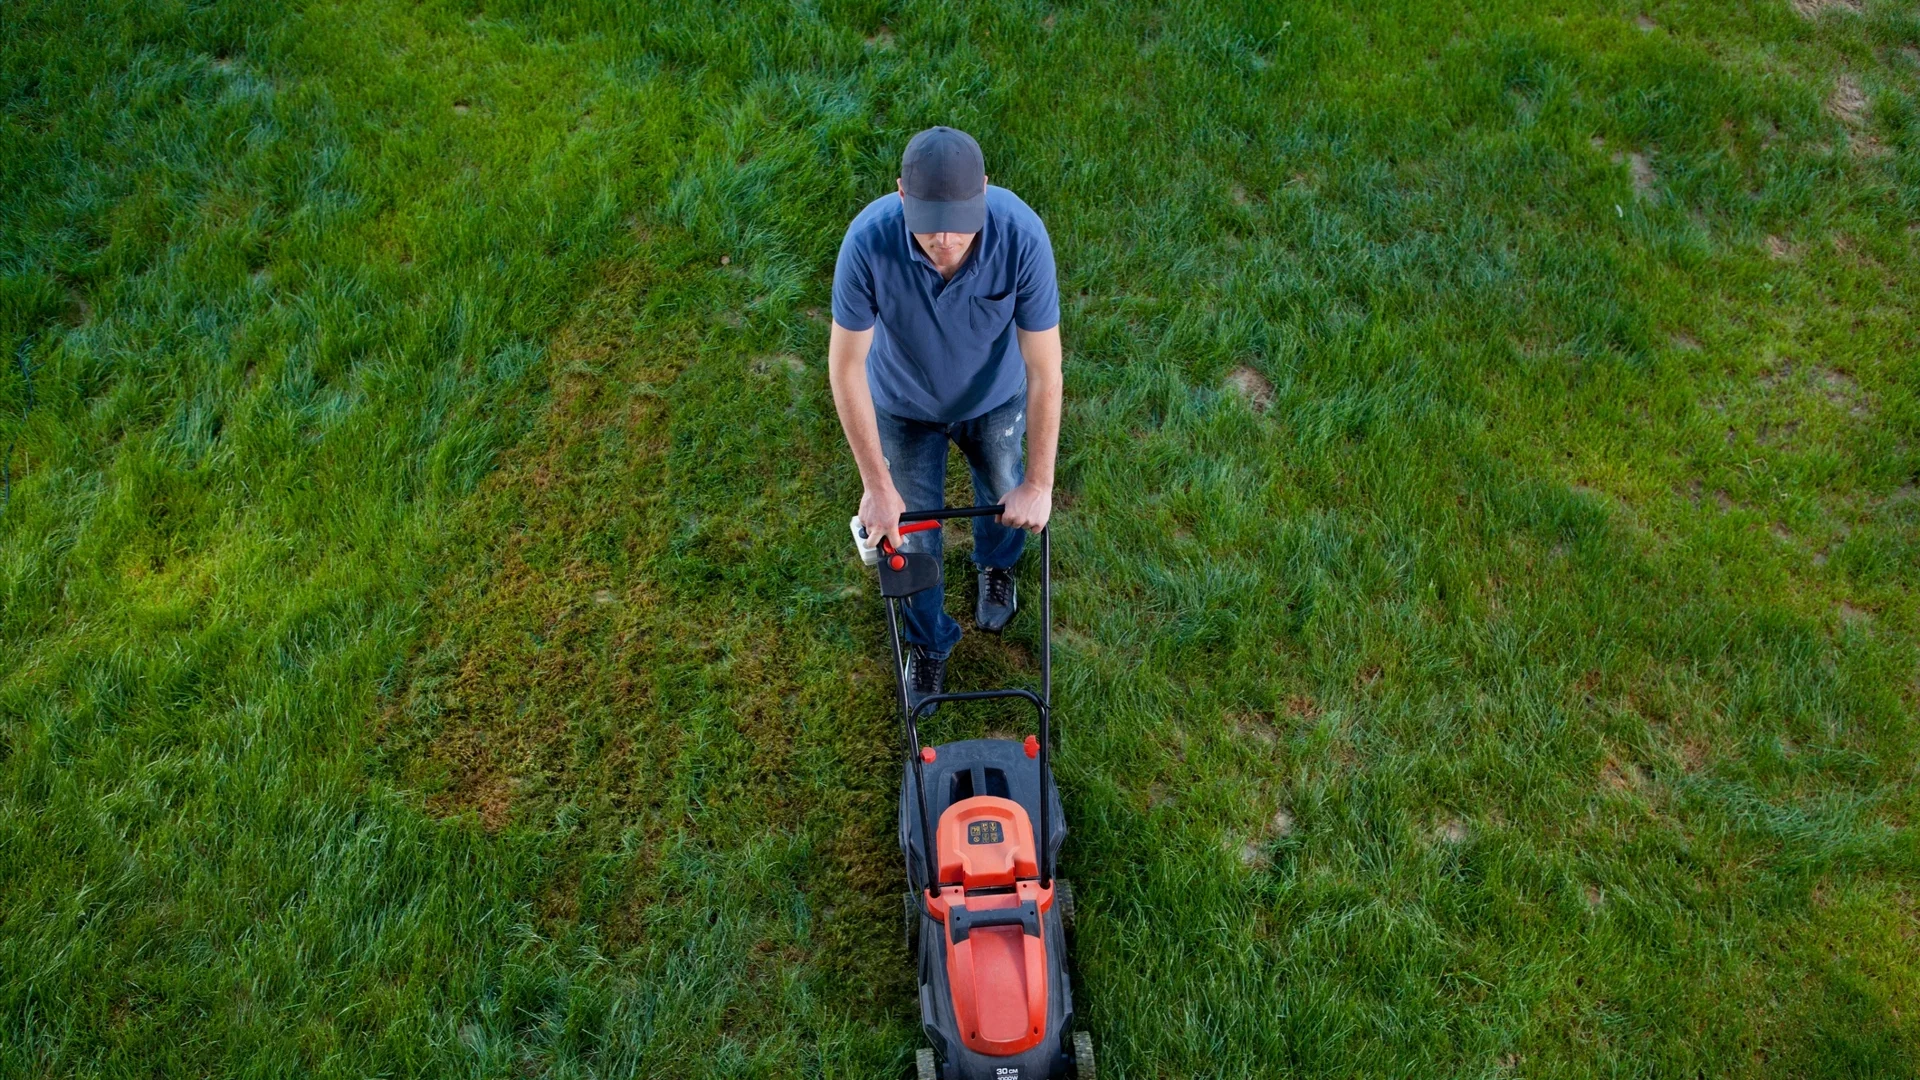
[{"x": 946, "y": 327}]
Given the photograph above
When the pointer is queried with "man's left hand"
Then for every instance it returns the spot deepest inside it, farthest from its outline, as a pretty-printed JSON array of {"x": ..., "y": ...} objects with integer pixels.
[{"x": 1028, "y": 507}]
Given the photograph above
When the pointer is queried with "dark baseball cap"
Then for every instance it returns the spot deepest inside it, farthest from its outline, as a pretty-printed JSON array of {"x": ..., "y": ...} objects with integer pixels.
[{"x": 944, "y": 179}]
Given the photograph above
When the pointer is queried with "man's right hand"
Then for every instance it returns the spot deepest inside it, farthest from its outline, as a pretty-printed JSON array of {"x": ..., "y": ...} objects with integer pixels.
[{"x": 880, "y": 514}]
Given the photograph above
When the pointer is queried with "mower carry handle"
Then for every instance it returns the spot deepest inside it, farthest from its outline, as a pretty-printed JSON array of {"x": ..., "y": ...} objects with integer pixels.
[{"x": 963, "y": 920}]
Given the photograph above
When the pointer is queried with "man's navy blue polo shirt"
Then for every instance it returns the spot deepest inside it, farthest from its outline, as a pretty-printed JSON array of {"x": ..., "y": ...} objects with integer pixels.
[{"x": 944, "y": 350}]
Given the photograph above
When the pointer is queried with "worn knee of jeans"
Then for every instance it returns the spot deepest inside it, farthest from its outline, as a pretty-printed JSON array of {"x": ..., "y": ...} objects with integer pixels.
[{"x": 1000, "y": 449}]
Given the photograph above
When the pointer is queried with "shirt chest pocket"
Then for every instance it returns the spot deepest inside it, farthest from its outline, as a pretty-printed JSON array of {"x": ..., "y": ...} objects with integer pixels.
[{"x": 988, "y": 315}]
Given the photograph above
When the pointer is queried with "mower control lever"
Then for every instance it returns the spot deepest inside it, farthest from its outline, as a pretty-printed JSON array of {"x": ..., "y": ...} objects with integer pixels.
[
  {"x": 886, "y": 546},
  {"x": 921, "y": 520}
]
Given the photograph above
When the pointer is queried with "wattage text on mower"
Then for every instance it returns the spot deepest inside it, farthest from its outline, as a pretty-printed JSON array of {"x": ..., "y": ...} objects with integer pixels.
[{"x": 981, "y": 828}]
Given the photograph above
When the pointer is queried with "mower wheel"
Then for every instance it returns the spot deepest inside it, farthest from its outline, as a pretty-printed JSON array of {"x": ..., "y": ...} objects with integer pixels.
[
  {"x": 910, "y": 924},
  {"x": 1063, "y": 898},
  {"x": 924, "y": 1068},
  {"x": 1083, "y": 1055}
]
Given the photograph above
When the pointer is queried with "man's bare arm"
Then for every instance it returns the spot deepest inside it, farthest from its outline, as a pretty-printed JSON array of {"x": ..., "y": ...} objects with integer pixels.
[
  {"x": 1031, "y": 504},
  {"x": 880, "y": 504}
]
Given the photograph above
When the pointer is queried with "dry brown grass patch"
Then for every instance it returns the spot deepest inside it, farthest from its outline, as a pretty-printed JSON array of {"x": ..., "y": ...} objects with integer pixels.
[
  {"x": 1252, "y": 386},
  {"x": 1640, "y": 170},
  {"x": 1848, "y": 104},
  {"x": 1813, "y": 9}
]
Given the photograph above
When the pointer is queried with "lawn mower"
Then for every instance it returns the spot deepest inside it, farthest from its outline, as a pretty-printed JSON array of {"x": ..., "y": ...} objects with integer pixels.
[{"x": 981, "y": 829}]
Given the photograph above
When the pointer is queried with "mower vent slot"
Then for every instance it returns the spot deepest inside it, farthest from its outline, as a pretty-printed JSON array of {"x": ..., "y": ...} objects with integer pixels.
[
  {"x": 962, "y": 786},
  {"x": 997, "y": 784}
]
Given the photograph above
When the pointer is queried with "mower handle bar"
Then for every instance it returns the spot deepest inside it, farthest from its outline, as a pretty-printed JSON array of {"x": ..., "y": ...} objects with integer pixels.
[
  {"x": 1043, "y": 701},
  {"x": 923, "y": 520},
  {"x": 946, "y": 512}
]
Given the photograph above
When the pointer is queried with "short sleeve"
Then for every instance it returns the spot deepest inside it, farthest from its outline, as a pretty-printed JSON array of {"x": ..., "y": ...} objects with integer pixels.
[
  {"x": 854, "y": 306},
  {"x": 1036, "y": 304}
]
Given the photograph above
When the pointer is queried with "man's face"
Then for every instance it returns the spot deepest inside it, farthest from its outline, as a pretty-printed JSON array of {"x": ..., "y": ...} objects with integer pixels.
[{"x": 946, "y": 249}]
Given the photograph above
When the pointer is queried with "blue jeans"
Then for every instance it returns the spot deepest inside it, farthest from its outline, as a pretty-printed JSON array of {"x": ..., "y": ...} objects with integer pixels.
[{"x": 916, "y": 452}]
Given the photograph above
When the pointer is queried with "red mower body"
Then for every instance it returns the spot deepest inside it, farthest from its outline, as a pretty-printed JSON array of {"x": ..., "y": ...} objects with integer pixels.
[{"x": 997, "y": 973}]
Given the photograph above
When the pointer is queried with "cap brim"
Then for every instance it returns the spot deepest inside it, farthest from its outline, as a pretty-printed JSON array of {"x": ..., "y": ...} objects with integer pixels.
[{"x": 964, "y": 216}]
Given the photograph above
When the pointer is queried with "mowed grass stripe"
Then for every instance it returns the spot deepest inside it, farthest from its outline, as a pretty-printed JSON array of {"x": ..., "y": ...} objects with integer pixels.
[{"x": 1485, "y": 554}]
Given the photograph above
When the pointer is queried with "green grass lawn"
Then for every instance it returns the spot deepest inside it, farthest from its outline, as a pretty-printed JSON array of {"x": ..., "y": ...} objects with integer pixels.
[{"x": 1488, "y": 537}]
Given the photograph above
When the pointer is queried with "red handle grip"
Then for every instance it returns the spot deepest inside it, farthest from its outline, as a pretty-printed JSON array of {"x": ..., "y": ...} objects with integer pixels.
[{"x": 919, "y": 526}]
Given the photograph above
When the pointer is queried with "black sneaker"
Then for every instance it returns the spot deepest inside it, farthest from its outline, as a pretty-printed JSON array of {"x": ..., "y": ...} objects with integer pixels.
[
  {"x": 926, "y": 676},
  {"x": 998, "y": 600}
]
